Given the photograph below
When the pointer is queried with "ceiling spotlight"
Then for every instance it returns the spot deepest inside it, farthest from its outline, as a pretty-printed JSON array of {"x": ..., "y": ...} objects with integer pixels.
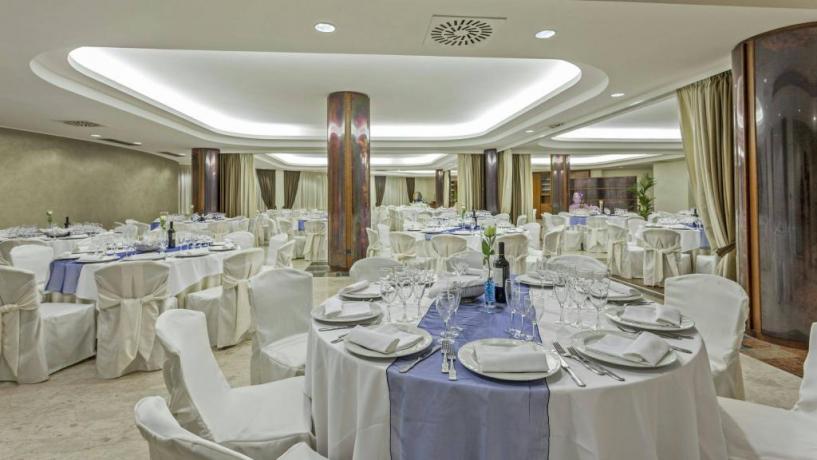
[
  {"x": 96, "y": 135},
  {"x": 137, "y": 143},
  {"x": 528, "y": 131},
  {"x": 545, "y": 34},
  {"x": 617, "y": 95},
  {"x": 324, "y": 27}
]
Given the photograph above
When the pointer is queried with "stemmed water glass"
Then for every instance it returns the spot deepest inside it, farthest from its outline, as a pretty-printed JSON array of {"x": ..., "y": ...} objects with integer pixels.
[
  {"x": 387, "y": 292},
  {"x": 561, "y": 289},
  {"x": 445, "y": 308},
  {"x": 599, "y": 290},
  {"x": 526, "y": 310},
  {"x": 404, "y": 289},
  {"x": 512, "y": 299},
  {"x": 456, "y": 288}
]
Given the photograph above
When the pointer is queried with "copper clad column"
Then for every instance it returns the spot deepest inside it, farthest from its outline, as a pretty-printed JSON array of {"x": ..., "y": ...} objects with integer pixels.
[
  {"x": 559, "y": 183},
  {"x": 775, "y": 79},
  {"x": 491, "y": 180},
  {"x": 204, "y": 172},
  {"x": 439, "y": 187},
  {"x": 347, "y": 149}
]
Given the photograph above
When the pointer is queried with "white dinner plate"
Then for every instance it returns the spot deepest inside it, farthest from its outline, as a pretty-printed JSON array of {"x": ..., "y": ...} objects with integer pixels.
[
  {"x": 416, "y": 348},
  {"x": 633, "y": 295},
  {"x": 145, "y": 256},
  {"x": 614, "y": 313},
  {"x": 533, "y": 281},
  {"x": 581, "y": 339},
  {"x": 69, "y": 257},
  {"x": 74, "y": 237},
  {"x": 371, "y": 292},
  {"x": 467, "y": 356},
  {"x": 191, "y": 253},
  {"x": 221, "y": 248},
  {"x": 318, "y": 314},
  {"x": 95, "y": 260}
]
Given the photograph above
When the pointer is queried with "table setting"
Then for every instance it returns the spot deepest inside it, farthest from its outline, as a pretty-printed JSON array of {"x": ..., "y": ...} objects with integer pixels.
[{"x": 531, "y": 377}]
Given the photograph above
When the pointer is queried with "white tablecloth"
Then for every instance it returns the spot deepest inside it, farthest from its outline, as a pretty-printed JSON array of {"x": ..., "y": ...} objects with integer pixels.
[
  {"x": 661, "y": 414},
  {"x": 690, "y": 239}
]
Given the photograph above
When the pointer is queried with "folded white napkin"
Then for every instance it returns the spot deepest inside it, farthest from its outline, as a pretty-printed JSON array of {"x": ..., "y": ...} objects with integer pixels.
[
  {"x": 620, "y": 291},
  {"x": 646, "y": 348},
  {"x": 466, "y": 281},
  {"x": 386, "y": 338},
  {"x": 337, "y": 308},
  {"x": 659, "y": 315},
  {"x": 354, "y": 287},
  {"x": 519, "y": 358}
]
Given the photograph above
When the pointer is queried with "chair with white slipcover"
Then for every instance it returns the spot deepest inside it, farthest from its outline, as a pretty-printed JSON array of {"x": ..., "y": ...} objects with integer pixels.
[
  {"x": 556, "y": 221},
  {"x": 663, "y": 257},
  {"x": 227, "y": 307},
  {"x": 719, "y": 308},
  {"x": 315, "y": 243},
  {"x": 595, "y": 237},
  {"x": 403, "y": 246},
  {"x": 546, "y": 222},
  {"x": 423, "y": 218},
  {"x": 503, "y": 218},
  {"x": 446, "y": 246},
  {"x": 623, "y": 260},
  {"x": 281, "y": 301},
  {"x": 7, "y": 245},
  {"x": 383, "y": 232},
  {"x": 580, "y": 262},
  {"x": 516, "y": 251},
  {"x": 374, "y": 248},
  {"x": 522, "y": 220},
  {"x": 634, "y": 224},
  {"x": 130, "y": 296},
  {"x": 35, "y": 258},
  {"x": 260, "y": 421},
  {"x": 369, "y": 268},
  {"x": 754, "y": 431},
  {"x": 275, "y": 244},
  {"x": 285, "y": 255},
  {"x": 471, "y": 258},
  {"x": 395, "y": 220},
  {"x": 23, "y": 358},
  {"x": 242, "y": 238},
  {"x": 552, "y": 241},
  {"x": 534, "y": 231}
]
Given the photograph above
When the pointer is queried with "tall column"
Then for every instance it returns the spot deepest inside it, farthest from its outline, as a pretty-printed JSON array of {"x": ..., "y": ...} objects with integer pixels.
[
  {"x": 204, "y": 172},
  {"x": 491, "y": 180},
  {"x": 439, "y": 187},
  {"x": 560, "y": 182},
  {"x": 348, "y": 170}
]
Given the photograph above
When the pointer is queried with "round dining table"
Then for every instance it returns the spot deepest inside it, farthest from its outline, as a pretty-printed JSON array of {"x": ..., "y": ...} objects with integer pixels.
[{"x": 366, "y": 409}]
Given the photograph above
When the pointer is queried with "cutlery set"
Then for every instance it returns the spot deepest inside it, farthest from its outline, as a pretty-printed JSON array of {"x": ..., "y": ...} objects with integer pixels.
[
  {"x": 590, "y": 365},
  {"x": 662, "y": 335},
  {"x": 449, "y": 356}
]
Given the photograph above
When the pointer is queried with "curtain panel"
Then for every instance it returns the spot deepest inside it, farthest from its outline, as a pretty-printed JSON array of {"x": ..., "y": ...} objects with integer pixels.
[
  {"x": 471, "y": 181},
  {"x": 237, "y": 184},
  {"x": 410, "y": 188},
  {"x": 446, "y": 190},
  {"x": 506, "y": 181},
  {"x": 521, "y": 189},
  {"x": 395, "y": 193},
  {"x": 291, "y": 179},
  {"x": 313, "y": 191},
  {"x": 379, "y": 189},
  {"x": 185, "y": 189},
  {"x": 707, "y": 133},
  {"x": 266, "y": 182}
]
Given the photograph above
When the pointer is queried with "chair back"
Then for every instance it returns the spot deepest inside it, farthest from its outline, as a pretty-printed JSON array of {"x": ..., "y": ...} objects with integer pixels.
[
  {"x": 130, "y": 296},
  {"x": 7, "y": 245},
  {"x": 315, "y": 241},
  {"x": 473, "y": 259},
  {"x": 808, "y": 387},
  {"x": 503, "y": 217},
  {"x": 660, "y": 246},
  {"x": 516, "y": 251},
  {"x": 597, "y": 222},
  {"x": 285, "y": 254},
  {"x": 395, "y": 220},
  {"x": 522, "y": 220},
  {"x": 33, "y": 257},
  {"x": 447, "y": 245},
  {"x": 275, "y": 243},
  {"x": 552, "y": 242},
  {"x": 403, "y": 245},
  {"x": 558, "y": 221},
  {"x": 374, "y": 248},
  {"x": 617, "y": 260},
  {"x": 281, "y": 302},
  {"x": 634, "y": 224},
  {"x": 235, "y": 315},
  {"x": 22, "y": 343},
  {"x": 580, "y": 262},
  {"x": 383, "y": 231},
  {"x": 369, "y": 268},
  {"x": 423, "y": 217},
  {"x": 167, "y": 440},
  {"x": 534, "y": 231},
  {"x": 243, "y": 238},
  {"x": 192, "y": 376}
]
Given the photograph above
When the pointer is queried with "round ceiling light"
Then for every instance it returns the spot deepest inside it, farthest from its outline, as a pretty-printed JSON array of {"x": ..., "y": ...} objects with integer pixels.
[
  {"x": 545, "y": 34},
  {"x": 617, "y": 95},
  {"x": 325, "y": 27},
  {"x": 528, "y": 131}
]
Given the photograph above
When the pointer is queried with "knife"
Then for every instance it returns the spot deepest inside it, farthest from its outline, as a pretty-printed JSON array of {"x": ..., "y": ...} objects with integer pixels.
[
  {"x": 418, "y": 360},
  {"x": 570, "y": 372}
]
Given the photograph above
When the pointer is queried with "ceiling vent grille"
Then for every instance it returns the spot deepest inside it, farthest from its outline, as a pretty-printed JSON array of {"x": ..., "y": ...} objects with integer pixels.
[
  {"x": 460, "y": 31},
  {"x": 120, "y": 142},
  {"x": 81, "y": 123}
]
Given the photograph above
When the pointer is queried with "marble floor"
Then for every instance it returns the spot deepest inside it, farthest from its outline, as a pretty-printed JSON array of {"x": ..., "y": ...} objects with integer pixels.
[{"x": 76, "y": 415}]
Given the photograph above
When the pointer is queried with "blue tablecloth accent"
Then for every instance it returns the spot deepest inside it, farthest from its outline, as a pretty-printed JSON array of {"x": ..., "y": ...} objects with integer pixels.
[
  {"x": 473, "y": 418},
  {"x": 578, "y": 220},
  {"x": 428, "y": 236},
  {"x": 704, "y": 239},
  {"x": 154, "y": 225},
  {"x": 301, "y": 224}
]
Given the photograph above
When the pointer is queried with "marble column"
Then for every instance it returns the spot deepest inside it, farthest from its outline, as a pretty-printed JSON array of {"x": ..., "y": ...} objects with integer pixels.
[
  {"x": 348, "y": 173},
  {"x": 560, "y": 183},
  {"x": 439, "y": 187},
  {"x": 491, "y": 180},
  {"x": 204, "y": 172}
]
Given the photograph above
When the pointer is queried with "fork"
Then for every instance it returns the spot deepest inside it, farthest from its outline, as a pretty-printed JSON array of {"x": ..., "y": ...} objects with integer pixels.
[
  {"x": 680, "y": 349},
  {"x": 604, "y": 370},
  {"x": 666, "y": 335},
  {"x": 452, "y": 369},
  {"x": 340, "y": 338}
]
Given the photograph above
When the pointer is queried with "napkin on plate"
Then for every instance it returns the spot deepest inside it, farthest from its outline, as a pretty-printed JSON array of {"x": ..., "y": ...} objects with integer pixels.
[
  {"x": 466, "y": 282},
  {"x": 516, "y": 358},
  {"x": 384, "y": 339},
  {"x": 619, "y": 291},
  {"x": 658, "y": 315},
  {"x": 337, "y": 308},
  {"x": 646, "y": 348},
  {"x": 354, "y": 287}
]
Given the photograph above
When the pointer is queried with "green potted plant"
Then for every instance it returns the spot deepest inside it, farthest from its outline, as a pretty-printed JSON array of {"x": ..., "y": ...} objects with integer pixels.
[{"x": 644, "y": 202}]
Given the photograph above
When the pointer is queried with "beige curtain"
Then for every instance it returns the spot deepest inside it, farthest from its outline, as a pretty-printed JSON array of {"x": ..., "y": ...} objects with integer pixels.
[
  {"x": 707, "y": 132},
  {"x": 266, "y": 182},
  {"x": 313, "y": 191},
  {"x": 522, "y": 188},
  {"x": 291, "y": 179},
  {"x": 410, "y": 189},
  {"x": 506, "y": 179},
  {"x": 185, "y": 189},
  {"x": 470, "y": 181},
  {"x": 395, "y": 193},
  {"x": 237, "y": 184}
]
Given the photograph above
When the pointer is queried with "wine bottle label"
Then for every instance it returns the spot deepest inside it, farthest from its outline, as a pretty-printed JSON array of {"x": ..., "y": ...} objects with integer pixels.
[{"x": 498, "y": 275}]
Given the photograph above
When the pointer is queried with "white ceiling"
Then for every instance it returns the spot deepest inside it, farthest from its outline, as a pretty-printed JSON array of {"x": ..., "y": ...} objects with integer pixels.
[{"x": 644, "y": 50}]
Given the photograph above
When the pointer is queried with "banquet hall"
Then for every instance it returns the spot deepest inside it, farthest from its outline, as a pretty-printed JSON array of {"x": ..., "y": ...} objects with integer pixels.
[{"x": 382, "y": 230}]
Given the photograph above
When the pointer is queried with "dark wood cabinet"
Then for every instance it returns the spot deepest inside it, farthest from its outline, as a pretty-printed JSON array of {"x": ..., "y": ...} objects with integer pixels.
[{"x": 617, "y": 192}]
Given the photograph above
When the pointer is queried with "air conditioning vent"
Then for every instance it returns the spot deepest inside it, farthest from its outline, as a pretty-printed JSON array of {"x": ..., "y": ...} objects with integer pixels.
[
  {"x": 120, "y": 142},
  {"x": 81, "y": 123},
  {"x": 171, "y": 154},
  {"x": 556, "y": 125},
  {"x": 460, "y": 31}
]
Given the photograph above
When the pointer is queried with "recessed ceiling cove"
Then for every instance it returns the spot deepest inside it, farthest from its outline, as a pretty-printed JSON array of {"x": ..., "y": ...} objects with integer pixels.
[{"x": 269, "y": 95}]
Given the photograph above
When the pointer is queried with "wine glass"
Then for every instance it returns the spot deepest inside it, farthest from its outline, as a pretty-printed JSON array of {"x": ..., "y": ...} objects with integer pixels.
[
  {"x": 512, "y": 299},
  {"x": 455, "y": 287},
  {"x": 560, "y": 291},
  {"x": 403, "y": 286},
  {"x": 445, "y": 307},
  {"x": 599, "y": 290},
  {"x": 387, "y": 292},
  {"x": 526, "y": 310}
]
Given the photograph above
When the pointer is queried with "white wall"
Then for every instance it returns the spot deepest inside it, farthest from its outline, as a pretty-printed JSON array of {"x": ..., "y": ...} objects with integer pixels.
[{"x": 671, "y": 186}]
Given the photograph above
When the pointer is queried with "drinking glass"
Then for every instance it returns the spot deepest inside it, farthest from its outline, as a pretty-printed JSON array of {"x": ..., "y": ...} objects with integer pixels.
[
  {"x": 560, "y": 291},
  {"x": 455, "y": 287},
  {"x": 512, "y": 298},
  {"x": 445, "y": 307},
  {"x": 387, "y": 293},
  {"x": 403, "y": 286},
  {"x": 526, "y": 310},
  {"x": 599, "y": 290}
]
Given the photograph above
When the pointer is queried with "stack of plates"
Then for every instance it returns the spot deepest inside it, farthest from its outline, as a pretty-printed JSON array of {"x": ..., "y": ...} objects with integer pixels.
[
  {"x": 582, "y": 339},
  {"x": 614, "y": 313},
  {"x": 467, "y": 357}
]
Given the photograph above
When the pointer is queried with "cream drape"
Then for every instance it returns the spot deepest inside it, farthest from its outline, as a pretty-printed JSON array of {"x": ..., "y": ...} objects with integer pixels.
[
  {"x": 707, "y": 132},
  {"x": 522, "y": 188},
  {"x": 185, "y": 188},
  {"x": 506, "y": 181},
  {"x": 396, "y": 193},
  {"x": 237, "y": 184},
  {"x": 427, "y": 187},
  {"x": 313, "y": 191},
  {"x": 470, "y": 181}
]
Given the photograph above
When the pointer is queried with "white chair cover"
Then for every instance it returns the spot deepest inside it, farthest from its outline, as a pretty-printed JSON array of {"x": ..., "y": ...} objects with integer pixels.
[
  {"x": 808, "y": 387},
  {"x": 167, "y": 440},
  {"x": 374, "y": 248},
  {"x": 281, "y": 301},
  {"x": 503, "y": 217},
  {"x": 34, "y": 258},
  {"x": 130, "y": 296},
  {"x": 260, "y": 421},
  {"x": 395, "y": 220},
  {"x": 315, "y": 245},
  {"x": 445, "y": 246},
  {"x": 473, "y": 259},
  {"x": 285, "y": 255},
  {"x": 556, "y": 221},
  {"x": 618, "y": 257},
  {"x": 7, "y": 245},
  {"x": 534, "y": 231},
  {"x": 275, "y": 244},
  {"x": 719, "y": 308},
  {"x": 301, "y": 451},
  {"x": 662, "y": 254},
  {"x": 516, "y": 251},
  {"x": 227, "y": 307},
  {"x": 595, "y": 238},
  {"x": 22, "y": 345},
  {"x": 580, "y": 262},
  {"x": 403, "y": 246},
  {"x": 244, "y": 239},
  {"x": 552, "y": 242},
  {"x": 634, "y": 224},
  {"x": 383, "y": 231},
  {"x": 423, "y": 217},
  {"x": 522, "y": 220},
  {"x": 369, "y": 268}
]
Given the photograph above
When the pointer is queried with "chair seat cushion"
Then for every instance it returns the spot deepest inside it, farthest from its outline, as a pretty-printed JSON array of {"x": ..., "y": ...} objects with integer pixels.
[
  {"x": 70, "y": 333},
  {"x": 754, "y": 431},
  {"x": 301, "y": 451},
  {"x": 213, "y": 293},
  {"x": 289, "y": 351}
]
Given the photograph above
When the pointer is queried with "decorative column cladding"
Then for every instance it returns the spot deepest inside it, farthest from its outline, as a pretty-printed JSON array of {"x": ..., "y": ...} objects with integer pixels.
[
  {"x": 204, "y": 172},
  {"x": 491, "y": 180},
  {"x": 348, "y": 172},
  {"x": 559, "y": 182},
  {"x": 439, "y": 187}
]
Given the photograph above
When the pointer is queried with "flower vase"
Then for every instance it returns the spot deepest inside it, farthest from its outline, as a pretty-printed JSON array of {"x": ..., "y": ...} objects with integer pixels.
[{"x": 490, "y": 291}]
